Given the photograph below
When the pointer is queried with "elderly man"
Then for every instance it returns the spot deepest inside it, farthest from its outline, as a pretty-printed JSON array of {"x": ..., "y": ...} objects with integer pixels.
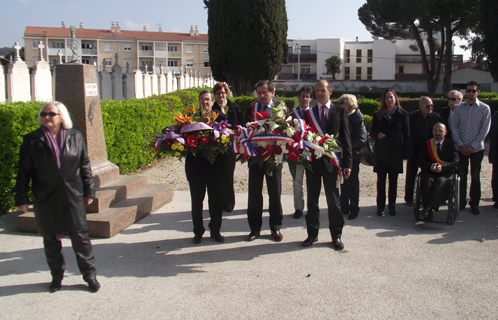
[
  {"x": 201, "y": 174},
  {"x": 327, "y": 117},
  {"x": 454, "y": 98},
  {"x": 438, "y": 160},
  {"x": 469, "y": 125},
  {"x": 421, "y": 123},
  {"x": 265, "y": 90}
]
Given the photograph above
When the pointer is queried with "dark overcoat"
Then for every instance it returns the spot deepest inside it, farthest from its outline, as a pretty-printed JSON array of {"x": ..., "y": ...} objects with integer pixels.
[
  {"x": 58, "y": 194},
  {"x": 395, "y": 146}
]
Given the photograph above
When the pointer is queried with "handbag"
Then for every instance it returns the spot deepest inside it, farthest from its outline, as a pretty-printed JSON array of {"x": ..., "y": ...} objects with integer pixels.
[{"x": 367, "y": 152}]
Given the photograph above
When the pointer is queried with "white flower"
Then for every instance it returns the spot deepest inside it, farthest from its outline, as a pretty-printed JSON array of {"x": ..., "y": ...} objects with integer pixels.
[{"x": 289, "y": 131}]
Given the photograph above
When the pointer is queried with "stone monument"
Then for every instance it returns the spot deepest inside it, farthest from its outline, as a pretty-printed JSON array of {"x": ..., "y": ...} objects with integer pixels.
[
  {"x": 105, "y": 83},
  {"x": 18, "y": 82},
  {"x": 41, "y": 79},
  {"x": 117, "y": 80}
]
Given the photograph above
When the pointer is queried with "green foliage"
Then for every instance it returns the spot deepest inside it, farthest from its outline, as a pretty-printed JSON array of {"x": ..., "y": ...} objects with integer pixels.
[
  {"x": 368, "y": 106},
  {"x": 368, "y": 121},
  {"x": 16, "y": 120},
  {"x": 247, "y": 41},
  {"x": 333, "y": 65}
]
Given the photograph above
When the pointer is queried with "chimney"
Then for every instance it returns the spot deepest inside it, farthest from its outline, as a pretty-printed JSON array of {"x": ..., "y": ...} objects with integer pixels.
[
  {"x": 145, "y": 27},
  {"x": 81, "y": 25},
  {"x": 356, "y": 39},
  {"x": 192, "y": 31},
  {"x": 118, "y": 28},
  {"x": 63, "y": 23},
  {"x": 196, "y": 31},
  {"x": 113, "y": 27},
  {"x": 160, "y": 28}
]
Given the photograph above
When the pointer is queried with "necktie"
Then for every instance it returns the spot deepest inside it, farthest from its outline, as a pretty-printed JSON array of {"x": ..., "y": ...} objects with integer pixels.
[
  {"x": 438, "y": 148},
  {"x": 323, "y": 119}
]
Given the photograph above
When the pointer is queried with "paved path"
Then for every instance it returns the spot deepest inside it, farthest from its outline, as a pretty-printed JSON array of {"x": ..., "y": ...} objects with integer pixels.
[{"x": 391, "y": 268}]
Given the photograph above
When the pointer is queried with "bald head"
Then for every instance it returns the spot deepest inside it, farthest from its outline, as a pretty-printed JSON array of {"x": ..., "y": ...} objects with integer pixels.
[{"x": 439, "y": 131}]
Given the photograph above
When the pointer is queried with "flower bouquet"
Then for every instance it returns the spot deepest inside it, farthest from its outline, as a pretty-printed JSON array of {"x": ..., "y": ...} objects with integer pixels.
[{"x": 195, "y": 132}]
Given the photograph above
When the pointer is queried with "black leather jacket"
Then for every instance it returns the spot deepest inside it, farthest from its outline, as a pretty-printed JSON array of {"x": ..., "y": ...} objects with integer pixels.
[{"x": 357, "y": 130}]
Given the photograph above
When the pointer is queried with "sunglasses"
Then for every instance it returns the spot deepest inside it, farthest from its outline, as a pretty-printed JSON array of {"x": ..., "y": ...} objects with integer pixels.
[
  {"x": 429, "y": 106},
  {"x": 50, "y": 114},
  {"x": 471, "y": 90},
  {"x": 453, "y": 99}
]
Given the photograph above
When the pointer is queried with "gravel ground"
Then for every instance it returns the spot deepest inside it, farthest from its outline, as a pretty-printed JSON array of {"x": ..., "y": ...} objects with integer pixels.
[{"x": 171, "y": 171}]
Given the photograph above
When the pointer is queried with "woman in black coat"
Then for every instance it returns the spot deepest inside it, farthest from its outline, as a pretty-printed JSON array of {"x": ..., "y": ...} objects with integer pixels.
[
  {"x": 391, "y": 132},
  {"x": 234, "y": 115},
  {"x": 55, "y": 160},
  {"x": 350, "y": 189}
]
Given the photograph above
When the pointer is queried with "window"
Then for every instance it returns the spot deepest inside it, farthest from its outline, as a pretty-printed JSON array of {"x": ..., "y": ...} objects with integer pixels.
[
  {"x": 401, "y": 69},
  {"x": 146, "y": 47},
  {"x": 369, "y": 73},
  {"x": 108, "y": 62},
  {"x": 161, "y": 61},
  {"x": 172, "y": 63},
  {"x": 86, "y": 45},
  {"x": 291, "y": 50},
  {"x": 190, "y": 63},
  {"x": 347, "y": 54},
  {"x": 85, "y": 60},
  {"x": 190, "y": 49},
  {"x": 127, "y": 62},
  {"x": 161, "y": 46},
  {"x": 346, "y": 73},
  {"x": 127, "y": 47},
  {"x": 172, "y": 47},
  {"x": 305, "y": 50},
  {"x": 485, "y": 87},
  {"x": 358, "y": 56},
  {"x": 34, "y": 44},
  {"x": 370, "y": 56},
  {"x": 305, "y": 69},
  {"x": 358, "y": 73},
  {"x": 206, "y": 49},
  {"x": 58, "y": 44},
  {"x": 107, "y": 46},
  {"x": 206, "y": 64}
]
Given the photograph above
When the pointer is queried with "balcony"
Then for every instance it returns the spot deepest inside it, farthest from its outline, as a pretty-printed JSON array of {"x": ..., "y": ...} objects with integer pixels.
[
  {"x": 410, "y": 77},
  {"x": 54, "y": 51},
  {"x": 416, "y": 58},
  {"x": 174, "y": 54},
  {"x": 304, "y": 57},
  {"x": 293, "y": 76},
  {"x": 91, "y": 52}
]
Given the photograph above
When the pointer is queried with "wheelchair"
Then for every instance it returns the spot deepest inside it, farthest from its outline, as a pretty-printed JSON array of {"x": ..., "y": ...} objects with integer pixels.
[{"x": 452, "y": 198}]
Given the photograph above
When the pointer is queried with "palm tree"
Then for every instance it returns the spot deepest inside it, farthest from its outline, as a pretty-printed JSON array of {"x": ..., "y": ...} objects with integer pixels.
[{"x": 333, "y": 65}]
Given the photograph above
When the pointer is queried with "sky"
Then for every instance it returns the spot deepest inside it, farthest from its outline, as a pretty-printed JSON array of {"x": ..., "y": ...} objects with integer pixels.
[{"x": 340, "y": 17}]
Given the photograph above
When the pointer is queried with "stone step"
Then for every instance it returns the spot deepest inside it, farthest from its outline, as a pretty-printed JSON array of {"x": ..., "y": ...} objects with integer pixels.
[
  {"x": 116, "y": 191},
  {"x": 120, "y": 216}
]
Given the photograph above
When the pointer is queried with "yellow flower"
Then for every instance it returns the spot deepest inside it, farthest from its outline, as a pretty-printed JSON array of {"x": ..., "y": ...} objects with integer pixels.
[
  {"x": 177, "y": 154},
  {"x": 180, "y": 147}
]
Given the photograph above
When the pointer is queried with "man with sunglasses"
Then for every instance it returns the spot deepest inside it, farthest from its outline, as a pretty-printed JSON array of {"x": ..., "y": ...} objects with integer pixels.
[
  {"x": 469, "y": 125},
  {"x": 421, "y": 123},
  {"x": 454, "y": 98}
]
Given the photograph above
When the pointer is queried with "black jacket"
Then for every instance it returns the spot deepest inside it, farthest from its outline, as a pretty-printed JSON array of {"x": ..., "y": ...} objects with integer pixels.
[
  {"x": 234, "y": 114},
  {"x": 395, "y": 146},
  {"x": 357, "y": 130},
  {"x": 445, "y": 114},
  {"x": 421, "y": 129},
  {"x": 448, "y": 154},
  {"x": 57, "y": 193},
  {"x": 493, "y": 136}
]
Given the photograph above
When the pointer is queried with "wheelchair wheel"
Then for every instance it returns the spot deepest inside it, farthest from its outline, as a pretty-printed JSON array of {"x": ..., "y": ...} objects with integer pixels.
[
  {"x": 453, "y": 202},
  {"x": 416, "y": 198}
]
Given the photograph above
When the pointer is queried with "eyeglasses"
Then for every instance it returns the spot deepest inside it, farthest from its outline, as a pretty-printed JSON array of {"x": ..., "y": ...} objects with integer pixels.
[
  {"x": 453, "y": 99},
  {"x": 429, "y": 106},
  {"x": 220, "y": 93},
  {"x": 50, "y": 114},
  {"x": 471, "y": 90}
]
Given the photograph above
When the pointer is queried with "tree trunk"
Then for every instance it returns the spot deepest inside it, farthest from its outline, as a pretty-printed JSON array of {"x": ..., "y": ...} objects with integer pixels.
[{"x": 448, "y": 56}]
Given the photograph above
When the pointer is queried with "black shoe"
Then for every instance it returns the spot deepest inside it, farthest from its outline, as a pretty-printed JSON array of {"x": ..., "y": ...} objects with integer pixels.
[
  {"x": 462, "y": 205},
  {"x": 409, "y": 203},
  {"x": 475, "y": 210},
  {"x": 495, "y": 205},
  {"x": 252, "y": 236},
  {"x": 298, "y": 214},
  {"x": 352, "y": 215},
  {"x": 197, "y": 239},
  {"x": 93, "y": 284},
  {"x": 392, "y": 212},
  {"x": 425, "y": 213},
  {"x": 309, "y": 241},
  {"x": 345, "y": 213},
  {"x": 55, "y": 285},
  {"x": 337, "y": 244},
  {"x": 218, "y": 237},
  {"x": 229, "y": 208},
  {"x": 277, "y": 236},
  {"x": 380, "y": 212}
]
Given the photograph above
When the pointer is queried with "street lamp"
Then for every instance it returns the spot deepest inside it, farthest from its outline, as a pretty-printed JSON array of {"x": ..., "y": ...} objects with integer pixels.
[{"x": 298, "y": 61}]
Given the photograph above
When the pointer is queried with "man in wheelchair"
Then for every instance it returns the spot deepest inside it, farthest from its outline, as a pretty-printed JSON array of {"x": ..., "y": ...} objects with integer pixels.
[{"x": 438, "y": 161}]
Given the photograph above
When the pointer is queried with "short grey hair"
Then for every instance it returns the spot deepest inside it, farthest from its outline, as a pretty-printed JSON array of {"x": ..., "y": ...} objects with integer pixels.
[
  {"x": 66, "y": 119},
  {"x": 458, "y": 93},
  {"x": 423, "y": 99}
]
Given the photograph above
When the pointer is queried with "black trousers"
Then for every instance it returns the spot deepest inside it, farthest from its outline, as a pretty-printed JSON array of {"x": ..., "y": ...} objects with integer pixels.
[
  {"x": 381, "y": 189},
  {"x": 227, "y": 187},
  {"x": 475, "y": 172},
  {"x": 201, "y": 175},
  {"x": 314, "y": 186},
  {"x": 434, "y": 188},
  {"x": 255, "y": 197},
  {"x": 82, "y": 247},
  {"x": 411, "y": 174},
  {"x": 494, "y": 182}
]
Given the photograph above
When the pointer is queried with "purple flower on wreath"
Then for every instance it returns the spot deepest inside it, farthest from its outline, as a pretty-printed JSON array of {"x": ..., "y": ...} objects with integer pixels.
[
  {"x": 221, "y": 128},
  {"x": 169, "y": 134}
]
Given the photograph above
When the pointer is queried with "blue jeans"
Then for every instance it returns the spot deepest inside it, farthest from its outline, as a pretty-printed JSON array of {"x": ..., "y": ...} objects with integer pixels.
[
  {"x": 475, "y": 172},
  {"x": 350, "y": 190}
]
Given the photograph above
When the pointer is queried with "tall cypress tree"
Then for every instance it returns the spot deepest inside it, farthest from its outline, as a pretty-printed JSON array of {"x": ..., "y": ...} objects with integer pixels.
[
  {"x": 488, "y": 11},
  {"x": 247, "y": 41}
]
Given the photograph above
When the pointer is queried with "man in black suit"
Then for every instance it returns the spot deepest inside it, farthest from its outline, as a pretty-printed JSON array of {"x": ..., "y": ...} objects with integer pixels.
[
  {"x": 454, "y": 98},
  {"x": 438, "y": 161},
  {"x": 333, "y": 119},
  {"x": 265, "y": 90}
]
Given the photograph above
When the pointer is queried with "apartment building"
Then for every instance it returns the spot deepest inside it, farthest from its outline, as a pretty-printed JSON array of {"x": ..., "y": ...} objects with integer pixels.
[
  {"x": 135, "y": 49},
  {"x": 378, "y": 59}
]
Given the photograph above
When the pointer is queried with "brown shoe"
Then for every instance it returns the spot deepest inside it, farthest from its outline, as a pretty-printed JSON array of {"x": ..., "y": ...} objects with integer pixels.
[
  {"x": 277, "y": 236},
  {"x": 337, "y": 244}
]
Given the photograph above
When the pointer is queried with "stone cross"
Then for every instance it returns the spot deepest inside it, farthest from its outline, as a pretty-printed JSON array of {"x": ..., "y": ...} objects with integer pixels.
[
  {"x": 40, "y": 49},
  {"x": 17, "y": 47},
  {"x": 116, "y": 56},
  {"x": 60, "y": 56},
  {"x": 127, "y": 67},
  {"x": 146, "y": 68},
  {"x": 103, "y": 65},
  {"x": 161, "y": 68}
]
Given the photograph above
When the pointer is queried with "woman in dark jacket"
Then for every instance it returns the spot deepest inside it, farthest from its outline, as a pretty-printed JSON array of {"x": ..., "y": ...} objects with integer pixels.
[
  {"x": 55, "y": 160},
  {"x": 234, "y": 115},
  {"x": 391, "y": 132},
  {"x": 350, "y": 189}
]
